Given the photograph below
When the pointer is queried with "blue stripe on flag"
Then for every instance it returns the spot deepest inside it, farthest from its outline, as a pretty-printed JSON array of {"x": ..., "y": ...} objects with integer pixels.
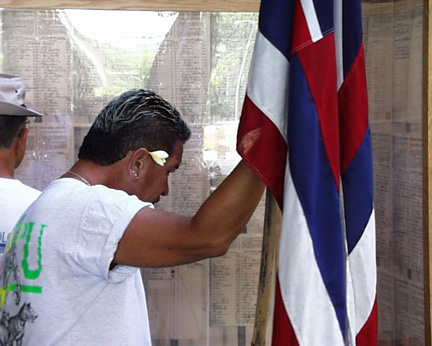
[
  {"x": 324, "y": 11},
  {"x": 351, "y": 32},
  {"x": 316, "y": 187},
  {"x": 276, "y": 24},
  {"x": 358, "y": 186}
]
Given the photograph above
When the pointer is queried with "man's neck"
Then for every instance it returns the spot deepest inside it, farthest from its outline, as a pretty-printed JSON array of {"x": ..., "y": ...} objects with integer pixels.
[
  {"x": 7, "y": 167},
  {"x": 101, "y": 175},
  {"x": 6, "y": 175}
]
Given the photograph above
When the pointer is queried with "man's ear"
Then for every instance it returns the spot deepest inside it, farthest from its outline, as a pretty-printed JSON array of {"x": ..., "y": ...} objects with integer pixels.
[
  {"x": 21, "y": 144},
  {"x": 137, "y": 163}
]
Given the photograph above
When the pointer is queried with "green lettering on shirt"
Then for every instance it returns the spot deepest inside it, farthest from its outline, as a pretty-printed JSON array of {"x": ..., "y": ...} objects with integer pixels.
[{"x": 29, "y": 273}]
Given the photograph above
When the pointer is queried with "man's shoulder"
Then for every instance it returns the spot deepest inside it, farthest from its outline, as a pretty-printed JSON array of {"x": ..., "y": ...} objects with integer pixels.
[
  {"x": 30, "y": 190},
  {"x": 76, "y": 190},
  {"x": 18, "y": 188}
]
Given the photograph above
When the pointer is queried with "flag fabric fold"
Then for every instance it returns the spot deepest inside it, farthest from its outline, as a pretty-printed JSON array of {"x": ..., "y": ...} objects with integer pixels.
[{"x": 304, "y": 130}]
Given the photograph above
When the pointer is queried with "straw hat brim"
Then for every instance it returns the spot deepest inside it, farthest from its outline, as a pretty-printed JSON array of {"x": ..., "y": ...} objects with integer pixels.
[{"x": 11, "y": 109}]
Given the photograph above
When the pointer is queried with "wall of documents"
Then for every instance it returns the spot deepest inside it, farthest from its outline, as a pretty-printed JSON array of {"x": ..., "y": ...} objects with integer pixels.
[{"x": 393, "y": 45}]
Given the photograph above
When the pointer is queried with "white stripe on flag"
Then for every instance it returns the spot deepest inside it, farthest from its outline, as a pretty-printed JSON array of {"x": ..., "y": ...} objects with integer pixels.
[
  {"x": 311, "y": 20},
  {"x": 362, "y": 265},
  {"x": 351, "y": 321},
  {"x": 268, "y": 82},
  {"x": 338, "y": 39},
  {"x": 305, "y": 296}
]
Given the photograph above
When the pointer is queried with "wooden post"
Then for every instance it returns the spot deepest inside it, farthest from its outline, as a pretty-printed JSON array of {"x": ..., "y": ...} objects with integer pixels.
[
  {"x": 427, "y": 160},
  {"x": 269, "y": 255}
]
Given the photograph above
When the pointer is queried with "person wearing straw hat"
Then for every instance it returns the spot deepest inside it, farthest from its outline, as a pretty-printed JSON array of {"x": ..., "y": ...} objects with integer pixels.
[{"x": 15, "y": 196}]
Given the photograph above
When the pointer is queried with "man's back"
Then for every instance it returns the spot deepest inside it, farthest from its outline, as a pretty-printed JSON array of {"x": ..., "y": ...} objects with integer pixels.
[{"x": 15, "y": 197}]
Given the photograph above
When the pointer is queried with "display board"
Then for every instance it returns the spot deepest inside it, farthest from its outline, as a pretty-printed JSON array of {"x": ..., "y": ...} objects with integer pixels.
[
  {"x": 427, "y": 161},
  {"x": 393, "y": 45}
]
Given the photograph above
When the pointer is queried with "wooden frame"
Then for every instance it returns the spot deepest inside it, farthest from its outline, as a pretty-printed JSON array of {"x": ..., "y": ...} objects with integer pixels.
[
  {"x": 427, "y": 162},
  {"x": 151, "y": 5}
]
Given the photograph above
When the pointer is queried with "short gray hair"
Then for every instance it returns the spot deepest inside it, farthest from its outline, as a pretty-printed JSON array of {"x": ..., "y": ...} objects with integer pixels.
[{"x": 136, "y": 119}]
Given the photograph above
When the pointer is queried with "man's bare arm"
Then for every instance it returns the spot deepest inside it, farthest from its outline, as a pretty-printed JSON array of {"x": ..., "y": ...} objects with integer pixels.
[{"x": 156, "y": 238}]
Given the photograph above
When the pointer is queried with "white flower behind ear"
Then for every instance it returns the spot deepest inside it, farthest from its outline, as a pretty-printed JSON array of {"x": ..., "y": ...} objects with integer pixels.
[{"x": 159, "y": 156}]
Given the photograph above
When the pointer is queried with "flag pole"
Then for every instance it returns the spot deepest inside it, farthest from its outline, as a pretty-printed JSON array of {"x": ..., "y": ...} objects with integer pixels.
[{"x": 266, "y": 285}]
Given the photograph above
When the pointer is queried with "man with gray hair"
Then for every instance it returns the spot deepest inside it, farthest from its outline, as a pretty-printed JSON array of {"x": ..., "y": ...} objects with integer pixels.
[
  {"x": 78, "y": 249},
  {"x": 15, "y": 196}
]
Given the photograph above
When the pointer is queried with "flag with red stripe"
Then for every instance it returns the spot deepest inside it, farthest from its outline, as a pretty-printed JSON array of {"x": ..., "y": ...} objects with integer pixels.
[{"x": 304, "y": 130}]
